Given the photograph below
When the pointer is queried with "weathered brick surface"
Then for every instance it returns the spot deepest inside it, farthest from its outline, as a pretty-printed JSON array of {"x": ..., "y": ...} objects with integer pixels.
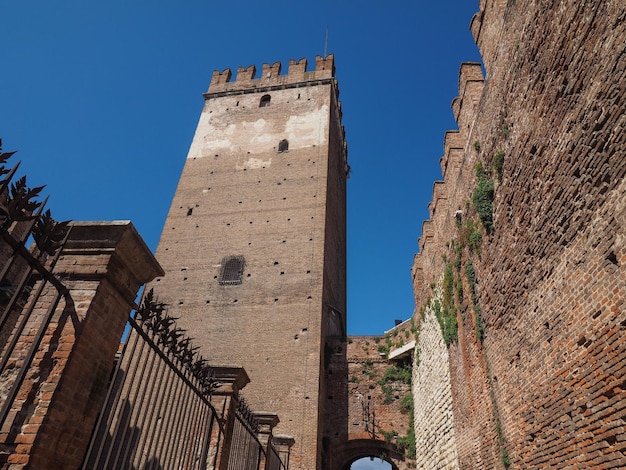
[
  {"x": 284, "y": 212},
  {"x": 56, "y": 408},
  {"x": 546, "y": 385},
  {"x": 358, "y": 411},
  {"x": 369, "y": 411}
]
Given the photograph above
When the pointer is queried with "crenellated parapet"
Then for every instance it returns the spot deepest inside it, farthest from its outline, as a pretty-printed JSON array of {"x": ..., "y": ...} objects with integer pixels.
[
  {"x": 486, "y": 27},
  {"x": 450, "y": 194},
  {"x": 453, "y": 151},
  {"x": 465, "y": 106},
  {"x": 247, "y": 79}
]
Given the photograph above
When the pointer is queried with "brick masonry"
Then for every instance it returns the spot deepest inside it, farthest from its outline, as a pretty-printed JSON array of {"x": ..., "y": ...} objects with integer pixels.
[
  {"x": 370, "y": 412},
  {"x": 541, "y": 383},
  {"x": 103, "y": 265}
]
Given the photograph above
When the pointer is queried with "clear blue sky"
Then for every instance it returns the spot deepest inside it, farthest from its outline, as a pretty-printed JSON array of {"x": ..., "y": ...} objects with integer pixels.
[{"x": 102, "y": 98}]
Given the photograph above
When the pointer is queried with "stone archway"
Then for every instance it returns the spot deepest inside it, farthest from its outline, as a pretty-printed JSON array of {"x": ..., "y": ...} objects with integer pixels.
[{"x": 344, "y": 455}]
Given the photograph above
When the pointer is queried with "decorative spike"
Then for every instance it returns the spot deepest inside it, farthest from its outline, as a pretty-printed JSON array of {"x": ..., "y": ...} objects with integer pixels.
[
  {"x": 49, "y": 234},
  {"x": 20, "y": 205},
  {"x": 4, "y": 156}
]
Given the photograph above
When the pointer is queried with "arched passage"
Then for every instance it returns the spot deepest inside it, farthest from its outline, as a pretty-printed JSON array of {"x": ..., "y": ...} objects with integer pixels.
[
  {"x": 370, "y": 463},
  {"x": 344, "y": 455}
]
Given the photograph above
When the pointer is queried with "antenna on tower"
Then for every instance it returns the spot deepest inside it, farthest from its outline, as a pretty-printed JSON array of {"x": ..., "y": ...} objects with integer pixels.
[{"x": 326, "y": 43}]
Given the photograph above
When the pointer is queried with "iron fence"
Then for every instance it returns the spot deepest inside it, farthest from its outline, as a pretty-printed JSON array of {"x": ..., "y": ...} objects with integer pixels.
[
  {"x": 158, "y": 412},
  {"x": 246, "y": 451},
  {"x": 273, "y": 460}
]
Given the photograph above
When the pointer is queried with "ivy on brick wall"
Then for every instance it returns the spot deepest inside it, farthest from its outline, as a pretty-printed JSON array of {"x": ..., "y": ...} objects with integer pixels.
[{"x": 482, "y": 197}]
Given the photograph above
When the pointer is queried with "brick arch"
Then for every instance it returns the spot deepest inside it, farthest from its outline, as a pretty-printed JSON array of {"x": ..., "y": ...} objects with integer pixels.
[{"x": 346, "y": 454}]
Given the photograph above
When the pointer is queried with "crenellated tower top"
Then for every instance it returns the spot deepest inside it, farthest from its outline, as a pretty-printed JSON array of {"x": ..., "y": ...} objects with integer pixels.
[{"x": 270, "y": 76}]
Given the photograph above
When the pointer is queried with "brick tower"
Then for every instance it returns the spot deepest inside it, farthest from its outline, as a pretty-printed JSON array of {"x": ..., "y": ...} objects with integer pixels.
[{"x": 254, "y": 246}]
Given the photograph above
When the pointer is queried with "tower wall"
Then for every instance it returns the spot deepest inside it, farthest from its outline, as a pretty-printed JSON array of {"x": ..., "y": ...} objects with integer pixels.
[{"x": 242, "y": 194}]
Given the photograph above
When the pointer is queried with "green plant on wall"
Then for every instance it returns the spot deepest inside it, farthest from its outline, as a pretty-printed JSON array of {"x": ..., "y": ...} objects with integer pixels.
[
  {"x": 482, "y": 197},
  {"x": 470, "y": 236},
  {"x": 368, "y": 368},
  {"x": 471, "y": 277},
  {"x": 497, "y": 164},
  {"x": 459, "y": 290},
  {"x": 387, "y": 394},
  {"x": 474, "y": 241},
  {"x": 406, "y": 443},
  {"x": 406, "y": 404},
  {"x": 504, "y": 454},
  {"x": 448, "y": 287},
  {"x": 478, "y": 322},
  {"x": 388, "y": 436},
  {"x": 446, "y": 312},
  {"x": 397, "y": 374},
  {"x": 506, "y": 129},
  {"x": 470, "y": 273}
]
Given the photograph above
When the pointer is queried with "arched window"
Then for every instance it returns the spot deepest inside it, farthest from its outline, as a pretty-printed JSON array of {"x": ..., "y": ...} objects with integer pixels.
[
  {"x": 232, "y": 270},
  {"x": 283, "y": 145},
  {"x": 265, "y": 101}
]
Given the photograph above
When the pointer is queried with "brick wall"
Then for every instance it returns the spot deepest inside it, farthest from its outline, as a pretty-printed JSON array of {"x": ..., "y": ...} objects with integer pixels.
[
  {"x": 538, "y": 366},
  {"x": 376, "y": 407}
]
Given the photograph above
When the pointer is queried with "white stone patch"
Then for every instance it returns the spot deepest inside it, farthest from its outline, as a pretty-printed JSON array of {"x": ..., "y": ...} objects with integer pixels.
[
  {"x": 306, "y": 129},
  {"x": 216, "y": 134},
  {"x": 432, "y": 396},
  {"x": 210, "y": 139}
]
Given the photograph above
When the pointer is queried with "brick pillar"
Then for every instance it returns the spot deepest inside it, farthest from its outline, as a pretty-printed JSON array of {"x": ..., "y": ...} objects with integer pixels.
[
  {"x": 103, "y": 265},
  {"x": 267, "y": 422},
  {"x": 224, "y": 399}
]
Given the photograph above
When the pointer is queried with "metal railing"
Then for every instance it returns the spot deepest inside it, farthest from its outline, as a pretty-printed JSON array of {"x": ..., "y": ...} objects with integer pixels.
[
  {"x": 246, "y": 452},
  {"x": 157, "y": 413},
  {"x": 273, "y": 460}
]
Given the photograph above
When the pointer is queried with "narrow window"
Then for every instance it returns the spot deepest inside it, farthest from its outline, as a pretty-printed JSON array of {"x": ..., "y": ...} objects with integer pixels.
[
  {"x": 265, "y": 101},
  {"x": 283, "y": 145},
  {"x": 232, "y": 270}
]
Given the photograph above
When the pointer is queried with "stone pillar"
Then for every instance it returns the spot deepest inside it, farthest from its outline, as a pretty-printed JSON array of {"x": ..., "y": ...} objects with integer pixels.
[
  {"x": 267, "y": 422},
  {"x": 231, "y": 380},
  {"x": 283, "y": 445},
  {"x": 103, "y": 265}
]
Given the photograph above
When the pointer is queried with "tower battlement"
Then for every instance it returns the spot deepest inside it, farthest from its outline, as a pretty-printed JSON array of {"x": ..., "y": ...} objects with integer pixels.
[{"x": 246, "y": 78}]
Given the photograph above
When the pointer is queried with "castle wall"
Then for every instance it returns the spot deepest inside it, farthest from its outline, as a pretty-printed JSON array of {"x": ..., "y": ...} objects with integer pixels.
[{"x": 538, "y": 367}]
